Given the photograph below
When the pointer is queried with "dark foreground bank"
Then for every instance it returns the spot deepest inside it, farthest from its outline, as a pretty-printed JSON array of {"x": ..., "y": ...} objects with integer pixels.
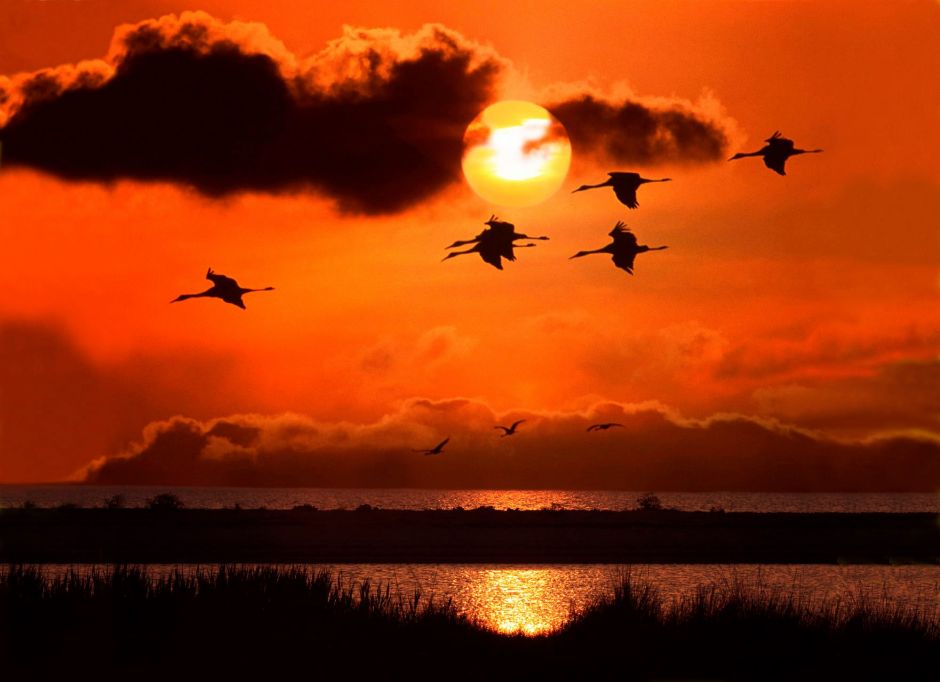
[
  {"x": 259, "y": 623},
  {"x": 369, "y": 535}
]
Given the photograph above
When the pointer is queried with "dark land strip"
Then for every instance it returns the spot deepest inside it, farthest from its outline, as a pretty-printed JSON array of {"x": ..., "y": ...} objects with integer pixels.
[{"x": 82, "y": 535}]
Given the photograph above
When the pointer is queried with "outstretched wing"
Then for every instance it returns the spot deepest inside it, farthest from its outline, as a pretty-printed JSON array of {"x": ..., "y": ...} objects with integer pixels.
[
  {"x": 441, "y": 445},
  {"x": 776, "y": 162},
  {"x": 626, "y": 195},
  {"x": 515, "y": 424},
  {"x": 220, "y": 280},
  {"x": 492, "y": 256},
  {"x": 623, "y": 237},
  {"x": 624, "y": 260}
]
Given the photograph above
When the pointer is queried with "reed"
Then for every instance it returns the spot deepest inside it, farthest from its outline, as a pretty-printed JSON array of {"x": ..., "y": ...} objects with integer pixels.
[{"x": 250, "y": 621}]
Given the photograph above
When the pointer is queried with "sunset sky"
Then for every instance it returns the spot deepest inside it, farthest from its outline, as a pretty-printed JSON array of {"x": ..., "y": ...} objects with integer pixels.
[{"x": 790, "y": 333}]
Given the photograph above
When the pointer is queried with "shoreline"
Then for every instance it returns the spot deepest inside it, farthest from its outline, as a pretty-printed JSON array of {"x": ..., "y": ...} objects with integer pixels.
[{"x": 369, "y": 535}]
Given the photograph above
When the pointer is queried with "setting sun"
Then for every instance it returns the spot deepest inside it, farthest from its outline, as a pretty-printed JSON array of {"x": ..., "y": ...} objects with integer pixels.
[{"x": 516, "y": 154}]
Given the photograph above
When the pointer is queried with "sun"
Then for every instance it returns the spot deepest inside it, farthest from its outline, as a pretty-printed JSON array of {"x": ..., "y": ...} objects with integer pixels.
[{"x": 515, "y": 154}]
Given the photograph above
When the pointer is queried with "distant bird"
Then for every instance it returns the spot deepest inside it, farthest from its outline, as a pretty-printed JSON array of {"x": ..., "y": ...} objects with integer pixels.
[
  {"x": 776, "y": 152},
  {"x": 222, "y": 287},
  {"x": 437, "y": 449},
  {"x": 494, "y": 243},
  {"x": 623, "y": 248},
  {"x": 625, "y": 186},
  {"x": 510, "y": 430},
  {"x": 603, "y": 427}
]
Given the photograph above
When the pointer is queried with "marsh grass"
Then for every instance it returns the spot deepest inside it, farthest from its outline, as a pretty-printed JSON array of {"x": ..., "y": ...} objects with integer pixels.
[{"x": 249, "y": 621}]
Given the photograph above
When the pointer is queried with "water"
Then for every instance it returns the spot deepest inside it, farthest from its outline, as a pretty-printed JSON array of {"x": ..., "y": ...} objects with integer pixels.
[
  {"x": 538, "y": 598},
  {"x": 407, "y": 498}
]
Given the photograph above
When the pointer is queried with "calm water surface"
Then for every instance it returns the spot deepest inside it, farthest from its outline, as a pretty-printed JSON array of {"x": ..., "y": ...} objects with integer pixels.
[
  {"x": 538, "y": 598},
  {"x": 406, "y": 498}
]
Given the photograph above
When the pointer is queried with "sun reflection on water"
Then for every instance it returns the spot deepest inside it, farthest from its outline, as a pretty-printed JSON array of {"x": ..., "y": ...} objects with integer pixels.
[{"x": 530, "y": 601}]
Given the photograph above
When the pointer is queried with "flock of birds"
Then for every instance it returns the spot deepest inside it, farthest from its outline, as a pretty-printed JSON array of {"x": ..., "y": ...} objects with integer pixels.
[{"x": 498, "y": 240}]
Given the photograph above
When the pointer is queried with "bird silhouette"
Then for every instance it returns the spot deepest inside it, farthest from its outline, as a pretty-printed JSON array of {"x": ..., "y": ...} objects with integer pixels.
[
  {"x": 497, "y": 229},
  {"x": 510, "y": 430},
  {"x": 224, "y": 288},
  {"x": 623, "y": 248},
  {"x": 494, "y": 243},
  {"x": 603, "y": 427},
  {"x": 776, "y": 152},
  {"x": 437, "y": 449},
  {"x": 625, "y": 186}
]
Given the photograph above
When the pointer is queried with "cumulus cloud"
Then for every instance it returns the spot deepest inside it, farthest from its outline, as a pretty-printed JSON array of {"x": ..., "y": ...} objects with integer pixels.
[
  {"x": 374, "y": 121},
  {"x": 656, "y": 449},
  {"x": 900, "y": 395},
  {"x": 634, "y": 131}
]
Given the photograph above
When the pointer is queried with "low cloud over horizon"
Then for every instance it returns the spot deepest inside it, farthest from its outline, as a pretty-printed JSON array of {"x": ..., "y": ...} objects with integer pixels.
[
  {"x": 655, "y": 449},
  {"x": 375, "y": 121}
]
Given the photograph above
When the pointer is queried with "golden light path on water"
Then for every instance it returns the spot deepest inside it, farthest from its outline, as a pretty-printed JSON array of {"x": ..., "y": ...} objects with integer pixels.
[{"x": 536, "y": 599}]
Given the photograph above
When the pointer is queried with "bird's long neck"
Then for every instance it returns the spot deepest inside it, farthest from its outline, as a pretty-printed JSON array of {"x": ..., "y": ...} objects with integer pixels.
[
  {"x": 248, "y": 291},
  {"x": 656, "y": 248},
  {"x": 608, "y": 183},
  {"x": 454, "y": 254},
  {"x": 659, "y": 180},
  {"x": 463, "y": 243},
  {"x": 806, "y": 151},
  {"x": 604, "y": 249},
  {"x": 741, "y": 155}
]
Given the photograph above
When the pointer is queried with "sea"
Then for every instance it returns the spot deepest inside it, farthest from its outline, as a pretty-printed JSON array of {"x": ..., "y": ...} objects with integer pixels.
[
  {"x": 414, "y": 498},
  {"x": 534, "y": 599}
]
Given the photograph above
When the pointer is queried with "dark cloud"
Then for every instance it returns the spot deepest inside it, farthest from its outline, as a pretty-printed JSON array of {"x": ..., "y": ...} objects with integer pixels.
[
  {"x": 375, "y": 121},
  {"x": 631, "y": 131},
  {"x": 900, "y": 395},
  {"x": 656, "y": 449}
]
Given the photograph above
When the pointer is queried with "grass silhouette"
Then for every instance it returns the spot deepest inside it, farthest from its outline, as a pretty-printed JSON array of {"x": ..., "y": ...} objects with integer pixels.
[{"x": 250, "y": 621}]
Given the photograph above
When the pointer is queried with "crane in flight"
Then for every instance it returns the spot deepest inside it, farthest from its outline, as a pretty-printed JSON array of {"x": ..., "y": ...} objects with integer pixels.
[
  {"x": 437, "y": 449},
  {"x": 510, "y": 430},
  {"x": 224, "y": 288},
  {"x": 603, "y": 427},
  {"x": 776, "y": 152},
  {"x": 495, "y": 242},
  {"x": 625, "y": 186},
  {"x": 623, "y": 249}
]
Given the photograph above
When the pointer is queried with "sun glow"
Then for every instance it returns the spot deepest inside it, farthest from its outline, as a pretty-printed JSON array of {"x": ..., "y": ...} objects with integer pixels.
[{"x": 516, "y": 154}]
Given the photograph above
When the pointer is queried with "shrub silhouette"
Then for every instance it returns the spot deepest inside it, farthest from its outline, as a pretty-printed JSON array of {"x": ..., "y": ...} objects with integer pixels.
[
  {"x": 649, "y": 502},
  {"x": 165, "y": 502}
]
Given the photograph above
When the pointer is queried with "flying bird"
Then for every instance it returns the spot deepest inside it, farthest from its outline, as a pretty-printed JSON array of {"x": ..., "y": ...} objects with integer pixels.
[
  {"x": 603, "y": 427},
  {"x": 776, "y": 152},
  {"x": 623, "y": 248},
  {"x": 510, "y": 430},
  {"x": 497, "y": 229},
  {"x": 437, "y": 449},
  {"x": 494, "y": 243},
  {"x": 222, "y": 287},
  {"x": 625, "y": 186}
]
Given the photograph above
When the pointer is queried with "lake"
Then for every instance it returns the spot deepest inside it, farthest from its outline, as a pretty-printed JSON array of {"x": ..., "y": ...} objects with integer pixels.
[
  {"x": 408, "y": 498},
  {"x": 537, "y": 598}
]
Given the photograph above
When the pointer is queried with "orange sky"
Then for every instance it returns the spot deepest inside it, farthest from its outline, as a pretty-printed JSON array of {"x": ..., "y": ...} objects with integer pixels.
[{"x": 812, "y": 298}]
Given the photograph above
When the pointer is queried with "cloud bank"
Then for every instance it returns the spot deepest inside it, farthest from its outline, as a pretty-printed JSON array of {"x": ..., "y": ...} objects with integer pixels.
[
  {"x": 656, "y": 449},
  {"x": 374, "y": 121},
  {"x": 634, "y": 132}
]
